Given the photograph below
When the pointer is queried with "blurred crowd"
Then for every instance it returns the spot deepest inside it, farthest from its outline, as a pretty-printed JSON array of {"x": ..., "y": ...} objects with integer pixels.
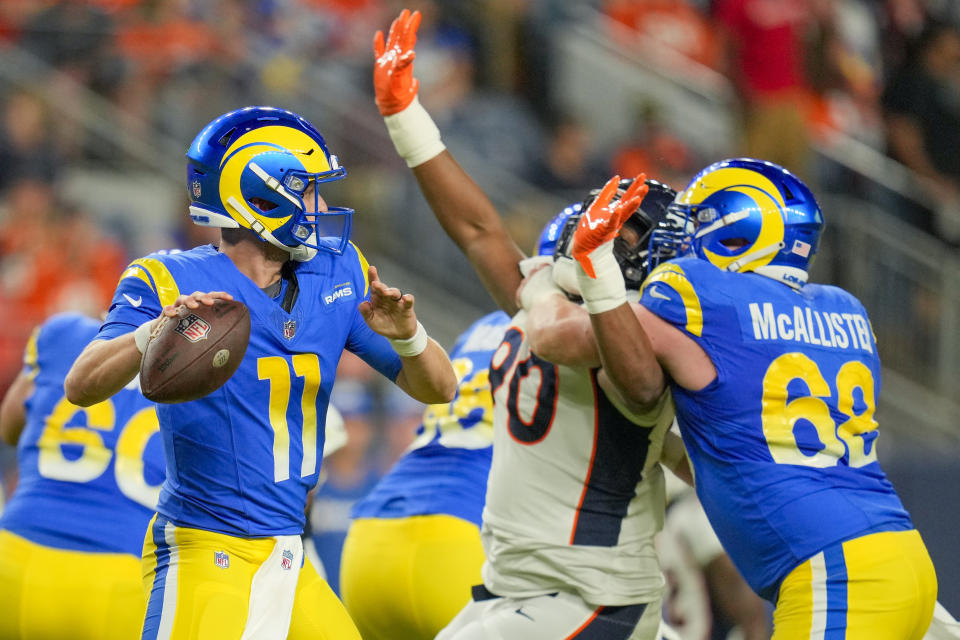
[{"x": 883, "y": 72}]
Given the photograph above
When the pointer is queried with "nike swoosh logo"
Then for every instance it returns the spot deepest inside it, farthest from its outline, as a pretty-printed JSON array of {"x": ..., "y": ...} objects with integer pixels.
[
  {"x": 655, "y": 293},
  {"x": 593, "y": 224},
  {"x": 520, "y": 611},
  {"x": 134, "y": 301}
]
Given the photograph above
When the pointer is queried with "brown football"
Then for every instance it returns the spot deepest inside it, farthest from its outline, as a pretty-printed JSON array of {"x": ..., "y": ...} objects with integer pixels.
[{"x": 195, "y": 353}]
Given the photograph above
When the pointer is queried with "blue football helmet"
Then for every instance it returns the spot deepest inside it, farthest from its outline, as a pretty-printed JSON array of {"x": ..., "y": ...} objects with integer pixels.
[
  {"x": 751, "y": 215},
  {"x": 630, "y": 247},
  {"x": 250, "y": 168},
  {"x": 550, "y": 235}
]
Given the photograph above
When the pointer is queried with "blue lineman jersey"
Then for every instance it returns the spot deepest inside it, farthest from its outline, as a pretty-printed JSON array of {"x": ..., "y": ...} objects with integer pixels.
[
  {"x": 241, "y": 460},
  {"x": 445, "y": 470},
  {"x": 89, "y": 477},
  {"x": 783, "y": 442}
]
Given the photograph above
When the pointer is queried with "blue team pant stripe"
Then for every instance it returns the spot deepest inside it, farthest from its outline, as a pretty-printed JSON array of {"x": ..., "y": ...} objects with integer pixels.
[
  {"x": 836, "y": 567},
  {"x": 151, "y": 625}
]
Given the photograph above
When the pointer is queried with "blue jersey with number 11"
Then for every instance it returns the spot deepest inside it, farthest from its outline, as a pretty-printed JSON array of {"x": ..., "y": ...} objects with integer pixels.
[
  {"x": 89, "y": 476},
  {"x": 783, "y": 442},
  {"x": 241, "y": 460}
]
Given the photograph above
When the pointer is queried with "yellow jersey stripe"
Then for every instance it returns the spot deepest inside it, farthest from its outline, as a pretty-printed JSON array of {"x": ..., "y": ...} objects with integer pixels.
[
  {"x": 30, "y": 355},
  {"x": 365, "y": 267},
  {"x": 156, "y": 275},
  {"x": 672, "y": 275}
]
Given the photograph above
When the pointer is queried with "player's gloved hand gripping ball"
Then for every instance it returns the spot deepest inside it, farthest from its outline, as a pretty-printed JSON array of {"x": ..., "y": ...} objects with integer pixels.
[{"x": 599, "y": 277}]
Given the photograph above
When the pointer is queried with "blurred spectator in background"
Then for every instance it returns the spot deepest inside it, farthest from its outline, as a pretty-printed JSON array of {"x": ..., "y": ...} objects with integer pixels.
[
  {"x": 655, "y": 150},
  {"x": 849, "y": 73},
  {"x": 922, "y": 108},
  {"x": 672, "y": 23},
  {"x": 764, "y": 41},
  {"x": 76, "y": 38},
  {"x": 486, "y": 125},
  {"x": 902, "y": 22},
  {"x": 52, "y": 258},
  {"x": 27, "y": 148},
  {"x": 567, "y": 166}
]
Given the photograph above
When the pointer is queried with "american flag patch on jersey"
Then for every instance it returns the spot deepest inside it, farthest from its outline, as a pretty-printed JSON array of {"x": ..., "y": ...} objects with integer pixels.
[
  {"x": 286, "y": 560},
  {"x": 221, "y": 559}
]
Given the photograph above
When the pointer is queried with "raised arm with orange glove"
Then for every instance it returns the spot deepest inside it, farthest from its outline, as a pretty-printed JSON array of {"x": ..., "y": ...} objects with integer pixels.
[
  {"x": 414, "y": 134},
  {"x": 599, "y": 277}
]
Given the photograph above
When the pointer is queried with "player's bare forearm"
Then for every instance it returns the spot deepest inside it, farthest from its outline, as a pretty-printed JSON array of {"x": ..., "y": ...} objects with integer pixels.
[
  {"x": 13, "y": 411},
  {"x": 560, "y": 332},
  {"x": 627, "y": 356},
  {"x": 103, "y": 368},
  {"x": 428, "y": 377},
  {"x": 472, "y": 222},
  {"x": 673, "y": 456}
]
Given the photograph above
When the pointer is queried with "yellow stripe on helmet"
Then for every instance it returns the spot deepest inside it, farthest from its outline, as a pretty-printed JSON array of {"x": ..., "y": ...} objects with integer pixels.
[
  {"x": 672, "y": 275},
  {"x": 275, "y": 138},
  {"x": 758, "y": 188}
]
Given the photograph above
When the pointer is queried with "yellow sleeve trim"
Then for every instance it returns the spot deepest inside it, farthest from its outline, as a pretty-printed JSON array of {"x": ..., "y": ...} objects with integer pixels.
[
  {"x": 157, "y": 276},
  {"x": 30, "y": 355},
  {"x": 672, "y": 275},
  {"x": 365, "y": 267}
]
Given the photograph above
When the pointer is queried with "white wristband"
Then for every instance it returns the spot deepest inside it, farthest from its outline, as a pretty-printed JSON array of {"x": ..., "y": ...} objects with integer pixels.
[
  {"x": 540, "y": 285},
  {"x": 141, "y": 335},
  {"x": 412, "y": 346},
  {"x": 414, "y": 134},
  {"x": 608, "y": 290}
]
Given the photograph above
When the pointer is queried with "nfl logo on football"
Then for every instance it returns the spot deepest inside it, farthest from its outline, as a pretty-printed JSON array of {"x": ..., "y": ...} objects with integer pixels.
[
  {"x": 193, "y": 328},
  {"x": 286, "y": 561},
  {"x": 196, "y": 188},
  {"x": 221, "y": 559}
]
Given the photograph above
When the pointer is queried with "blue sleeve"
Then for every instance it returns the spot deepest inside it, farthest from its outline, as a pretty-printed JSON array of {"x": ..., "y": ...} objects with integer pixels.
[
  {"x": 134, "y": 302},
  {"x": 373, "y": 348},
  {"x": 56, "y": 344}
]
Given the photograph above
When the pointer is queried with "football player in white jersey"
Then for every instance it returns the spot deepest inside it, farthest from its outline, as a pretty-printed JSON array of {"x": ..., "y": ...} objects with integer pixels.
[{"x": 575, "y": 493}]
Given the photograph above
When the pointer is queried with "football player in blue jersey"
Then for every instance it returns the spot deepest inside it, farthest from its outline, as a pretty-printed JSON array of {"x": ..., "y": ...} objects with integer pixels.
[
  {"x": 223, "y": 556},
  {"x": 71, "y": 535},
  {"x": 418, "y": 531},
  {"x": 575, "y": 492},
  {"x": 775, "y": 383}
]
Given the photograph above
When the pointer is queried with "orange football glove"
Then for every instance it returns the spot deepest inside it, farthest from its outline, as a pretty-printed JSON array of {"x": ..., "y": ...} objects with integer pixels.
[
  {"x": 601, "y": 222},
  {"x": 393, "y": 81}
]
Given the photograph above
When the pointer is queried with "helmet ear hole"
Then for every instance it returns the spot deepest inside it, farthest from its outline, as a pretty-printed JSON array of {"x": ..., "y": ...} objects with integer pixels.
[
  {"x": 262, "y": 204},
  {"x": 225, "y": 138},
  {"x": 734, "y": 243}
]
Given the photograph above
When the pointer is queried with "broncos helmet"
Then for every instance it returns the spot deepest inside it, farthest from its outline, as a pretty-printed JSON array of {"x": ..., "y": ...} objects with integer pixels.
[
  {"x": 250, "y": 168},
  {"x": 752, "y": 215},
  {"x": 630, "y": 247}
]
